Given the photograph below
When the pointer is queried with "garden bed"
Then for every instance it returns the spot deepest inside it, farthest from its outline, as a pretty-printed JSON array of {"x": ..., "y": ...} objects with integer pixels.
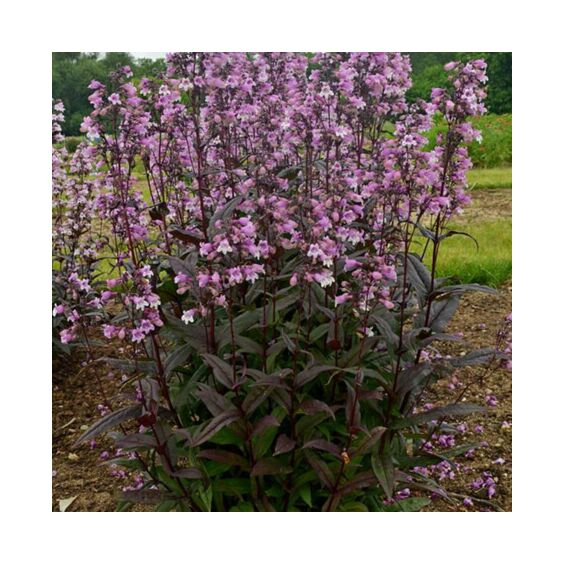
[{"x": 81, "y": 472}]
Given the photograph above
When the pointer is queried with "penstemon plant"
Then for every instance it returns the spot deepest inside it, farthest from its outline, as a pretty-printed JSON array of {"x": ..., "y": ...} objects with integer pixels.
[{"x": 268, "y": 291}]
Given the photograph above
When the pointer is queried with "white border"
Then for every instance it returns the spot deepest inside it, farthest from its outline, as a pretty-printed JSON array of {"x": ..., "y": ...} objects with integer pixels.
[{"x": 32, "y": 31}]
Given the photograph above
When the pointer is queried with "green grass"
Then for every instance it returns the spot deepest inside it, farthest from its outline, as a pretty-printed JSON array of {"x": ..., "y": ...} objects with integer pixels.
[
  {"x": 500, "y": 177},
  {"x": 495, "y": 150},
  {"x": 490, "y": 264}
]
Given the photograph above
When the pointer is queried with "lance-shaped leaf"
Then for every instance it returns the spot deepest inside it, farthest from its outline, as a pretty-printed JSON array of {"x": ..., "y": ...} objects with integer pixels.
[
  {"x": 189, "y": 473},
  {"x": 477, "y": 357},
  {"x": 419, "y": 276},
  {"x": 284, "y": 444},
  {"x": 187, "y": 236},
  {"x": 459, "y": 289},
  {"x": 321, "y": 444},
  {"x": 441, "y": 313},
  {"x": 206, "y": 432},
  {"x": 308, "y": 374},
  {"x": 269, "y": 466},
  {"x": 177, "y": 357},
  {"x": 321, "y": 469},
  {"x": 312, "y": 406},
  {"x": 411, "y": 379},
  {"x": 225, "y": 457},
  {"x": 137, "y": 441},
  {"x": 193, "y": 334},
  {"x": 222, "y": 371},
  {"x": 360, "y": 481},
  {"x": 453, "y": 410},
  {"x": 383, "y": 469},
  {"x": 110, "y": 421},
  {"x": 352, "y": 407},
  {"x": 365, "y": 443},
  {"x": 255, "y": 398},
  {"x": 265, "y": 423},
  {"x": 214, "y": 401}
]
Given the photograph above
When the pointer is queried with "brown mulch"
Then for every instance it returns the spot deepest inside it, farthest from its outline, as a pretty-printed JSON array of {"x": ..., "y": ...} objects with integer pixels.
[
  {"x": 79, "y": 471},
  {"x": 479, "y": 319}
]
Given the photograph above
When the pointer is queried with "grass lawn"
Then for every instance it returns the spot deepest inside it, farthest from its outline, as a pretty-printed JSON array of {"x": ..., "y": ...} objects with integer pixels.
[
  {"x": 490, "y": 177},
  {"x": 490, "y": 264}
]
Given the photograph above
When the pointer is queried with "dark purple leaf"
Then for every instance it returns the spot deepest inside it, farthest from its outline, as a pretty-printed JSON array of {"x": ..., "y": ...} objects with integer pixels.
[
  {"x": 269, "y": 466},
  {"x": 225, "y": 457},
  {"x": 266, "y": 422},
  {"x": 110, "y": 421},
  {"x": 321, "y": 444},
  {"x": 284, "y": 444}
]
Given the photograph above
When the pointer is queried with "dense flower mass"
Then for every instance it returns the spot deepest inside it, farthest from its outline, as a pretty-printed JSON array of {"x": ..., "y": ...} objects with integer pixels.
[{"x": 252, "y": 217}]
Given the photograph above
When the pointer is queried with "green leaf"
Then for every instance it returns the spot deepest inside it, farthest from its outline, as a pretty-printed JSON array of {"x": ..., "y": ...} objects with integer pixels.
[
  {"x": 383, "y": 469},
  {"x": 353, "y": 506},
  {"x": 206, "y": 432},
  {"x": 321, "y": 469},
  {"x": 305, "y": 494},
  {"x": 411, "y": 504}
]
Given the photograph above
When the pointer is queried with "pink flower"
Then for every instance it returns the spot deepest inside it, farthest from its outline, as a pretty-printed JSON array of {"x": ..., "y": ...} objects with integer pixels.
[
  {"x": 324, "y": 278},
  {"x": 137, "y": 335},
  {"x": 188, "y": 316},
  {"x": 351, "y": 264},
  {"x": 58, "y": 309},
  {"x": 341, "y": 299},
  {"x": 67, "y": 336},
  {"x": 110, "y": 331}
]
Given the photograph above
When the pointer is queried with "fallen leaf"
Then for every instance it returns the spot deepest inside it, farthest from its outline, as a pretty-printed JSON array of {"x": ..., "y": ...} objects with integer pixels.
[
  {"x": 64, "y": 504},
  {"x": 73, "y": 456}
]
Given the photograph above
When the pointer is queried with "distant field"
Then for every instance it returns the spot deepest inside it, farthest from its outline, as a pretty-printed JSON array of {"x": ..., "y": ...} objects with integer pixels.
[
  {"x": 490, "y": 177},
  {"x": 488, "y": 264}
]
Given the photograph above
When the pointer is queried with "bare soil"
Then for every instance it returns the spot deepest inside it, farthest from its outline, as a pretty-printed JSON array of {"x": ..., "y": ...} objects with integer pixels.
[{"x": 479, "y": 319}]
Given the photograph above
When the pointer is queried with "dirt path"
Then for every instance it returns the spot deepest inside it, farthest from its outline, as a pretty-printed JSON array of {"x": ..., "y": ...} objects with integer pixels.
[{"x": 488, "y": 204}]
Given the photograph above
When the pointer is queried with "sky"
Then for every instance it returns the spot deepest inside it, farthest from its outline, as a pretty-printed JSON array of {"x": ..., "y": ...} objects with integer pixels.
[{"x": 148, "y": 55}]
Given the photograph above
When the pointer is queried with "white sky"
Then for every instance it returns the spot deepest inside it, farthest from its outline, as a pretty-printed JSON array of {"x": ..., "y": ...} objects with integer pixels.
[{"x": 148, "y": 55}]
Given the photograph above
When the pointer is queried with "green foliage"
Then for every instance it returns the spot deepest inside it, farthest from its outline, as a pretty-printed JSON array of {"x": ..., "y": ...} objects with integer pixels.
[
  {"x": 71, "y": 143},
  {"x": 495, "y": 150},
  {"x": 73, "y": 72},
  {"x": 428, "y": 73},
  {"x": 283, "y": 418},
  {"x": 501, "y": 177}
]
